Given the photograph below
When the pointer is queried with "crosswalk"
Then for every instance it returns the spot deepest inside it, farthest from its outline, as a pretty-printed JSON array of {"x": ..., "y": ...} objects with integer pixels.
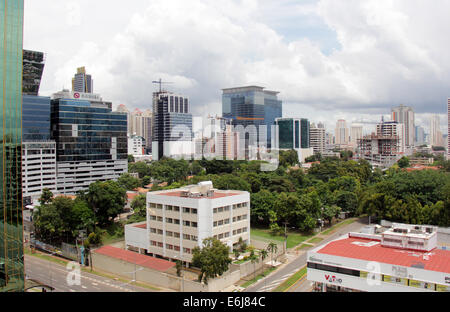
[{"x": 275, "y": 283}]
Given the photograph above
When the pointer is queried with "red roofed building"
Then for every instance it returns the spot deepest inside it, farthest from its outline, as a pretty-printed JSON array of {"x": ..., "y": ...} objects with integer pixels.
[{"x": 404, "y": 258}]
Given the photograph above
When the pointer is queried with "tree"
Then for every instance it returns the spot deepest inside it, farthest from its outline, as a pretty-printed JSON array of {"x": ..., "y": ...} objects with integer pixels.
[
  {"x": 212, "y": 259},
  {"x": 403, "y": 162},
  {"x": 253, "y": 259},
  {"x": 128, "y": 182},
  {"x": 106, "y": 199},
  {"x": 263, "y": 255},
  {"x": 139, "y": 206},
  {"x": 288, "y": 158},
  {"x": 130, "y": 159},
  {"x": 46, "y": 197},
  {"x": 272, "y": 248},
  {"x": 178, "y": 265}
]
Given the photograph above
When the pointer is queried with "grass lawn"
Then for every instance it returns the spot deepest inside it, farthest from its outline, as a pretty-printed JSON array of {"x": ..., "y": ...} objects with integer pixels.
[
  {"x": 294, "y": 238},
  {"x": 258, "y": 277},
  {"x": 291, "y": 280}
]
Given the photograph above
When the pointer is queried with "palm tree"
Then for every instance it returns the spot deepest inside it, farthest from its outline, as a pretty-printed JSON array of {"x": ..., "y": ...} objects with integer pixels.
[
  {"x": 263, "y": 254},
  {"x": 273, "y": 248},
  {"x": 254, "y": 259}
]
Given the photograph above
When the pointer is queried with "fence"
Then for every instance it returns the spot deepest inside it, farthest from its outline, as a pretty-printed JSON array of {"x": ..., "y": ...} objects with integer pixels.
[{"x": 67, "y": 251}]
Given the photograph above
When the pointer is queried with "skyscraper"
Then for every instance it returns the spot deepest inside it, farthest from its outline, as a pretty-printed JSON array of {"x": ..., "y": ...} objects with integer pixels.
[
  {"x": 252, "y": 105},
  {"x": 436, "y": 138},
  {"x": 405, "y": 115},
  {"x": 172, "y": 126},
  {"x": 356, "y": 133},
  {"x": 11, "y": 224},
  {"x": 91, "y": 140},
  {"x": 82, "y": 82},
  {"x": 33, "y": 67},
  {"x": 341, "y": 133},
  {"x": 317, "y": 138},
  {"x": 420, "y": 135}
]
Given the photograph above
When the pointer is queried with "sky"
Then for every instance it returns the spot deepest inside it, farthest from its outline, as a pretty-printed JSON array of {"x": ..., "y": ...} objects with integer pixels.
[{"x": 350, "y": 59}]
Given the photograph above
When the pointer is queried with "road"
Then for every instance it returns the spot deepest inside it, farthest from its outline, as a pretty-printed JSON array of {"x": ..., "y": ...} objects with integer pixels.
[
  {"x": 56, "y": 275},
  {"x": 297, "y": 262}
]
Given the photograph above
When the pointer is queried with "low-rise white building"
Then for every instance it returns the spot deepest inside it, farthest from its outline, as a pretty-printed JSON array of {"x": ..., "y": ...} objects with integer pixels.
[
  {"x": 404, "y": 258},
  {"x": 178, "y": 220}
]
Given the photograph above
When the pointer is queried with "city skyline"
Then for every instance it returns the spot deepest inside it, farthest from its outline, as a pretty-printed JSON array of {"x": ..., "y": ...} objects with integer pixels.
[{"x": 307, "y": 51}]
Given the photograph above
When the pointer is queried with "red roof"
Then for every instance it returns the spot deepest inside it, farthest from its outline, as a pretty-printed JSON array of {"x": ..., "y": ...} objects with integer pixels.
[
  {"x": 131, "y": 196},
  {"x": 216, "y": 194},
  {"x": 141, "y": 226},
  {"x": 438, "y": 260},
  {"x": 135, "y": 258}
]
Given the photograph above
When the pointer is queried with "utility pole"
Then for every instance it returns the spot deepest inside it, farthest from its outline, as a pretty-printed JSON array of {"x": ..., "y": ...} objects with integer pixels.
[{"x": 285, "y": 237}]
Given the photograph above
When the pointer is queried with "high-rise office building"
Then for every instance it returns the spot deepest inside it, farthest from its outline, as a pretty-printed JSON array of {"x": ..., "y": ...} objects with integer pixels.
[
  {"x": 289, "y": 136},
  {"x": 82, "y": 82},
  {"x": 91, "y": 140},
  {"x": 436, "y": 137},
  {"x": 356, "y": 133},
  {"x": 38, "y": 150},
  {"x": 33, "y": 67},
  {"x": 172, "y": 126},
  {"x": 341, "y": 133},
  {"x": 405, "y": 115},
  {"x": 419, "y": 135},
  {"x": 139, "y": 124},
  {"x": 252, "y": 105},
  {"x": 317, "y": 138},
  {"x": 11, "y": 220}
]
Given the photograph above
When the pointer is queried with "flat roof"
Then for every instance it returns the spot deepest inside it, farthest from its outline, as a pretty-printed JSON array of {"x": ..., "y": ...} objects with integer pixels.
[
  {"x": 136, "y": 258},
  {"x": 371, "y": 250},
  {"x": 217, "y": 194}
]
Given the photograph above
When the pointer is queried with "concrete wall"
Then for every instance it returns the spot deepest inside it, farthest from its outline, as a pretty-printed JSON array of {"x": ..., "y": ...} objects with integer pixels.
[
  {"x": 136, "y": 237},
  {"x": 162, "y": 279}
]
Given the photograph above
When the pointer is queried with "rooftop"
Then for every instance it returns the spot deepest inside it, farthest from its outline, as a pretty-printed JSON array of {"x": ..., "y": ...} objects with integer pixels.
[
  {"x": 371, "y": 250},
  {"x": 217, "y": 194},
  {"x": 136, "y": 258}
]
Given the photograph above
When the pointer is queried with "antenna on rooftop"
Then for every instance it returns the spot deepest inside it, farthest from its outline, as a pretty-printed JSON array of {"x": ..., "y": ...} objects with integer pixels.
[{"x": 160, "y": 82}]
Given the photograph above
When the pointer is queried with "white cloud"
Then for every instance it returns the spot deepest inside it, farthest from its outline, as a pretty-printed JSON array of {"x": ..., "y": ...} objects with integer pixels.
[{"x": 390, "y": 52}]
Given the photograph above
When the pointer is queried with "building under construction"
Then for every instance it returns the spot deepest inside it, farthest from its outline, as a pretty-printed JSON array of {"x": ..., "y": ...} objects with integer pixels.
[
  {"x": 384, "y": 148},
  {"x": 33, "y": 67}
]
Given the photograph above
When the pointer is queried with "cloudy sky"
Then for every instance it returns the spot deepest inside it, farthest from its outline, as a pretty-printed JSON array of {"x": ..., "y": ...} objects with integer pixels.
[{"x": 329, "y": 59}]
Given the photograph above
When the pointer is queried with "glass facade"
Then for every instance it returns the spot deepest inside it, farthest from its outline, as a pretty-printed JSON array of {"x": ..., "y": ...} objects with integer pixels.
[
  {"x": 170, "y": 112},
  {"x": 286, "y": 134},
  {"x": 252, "y": 106},
  {"x": 85, "y": 132},
  {"x": 33, "y": 66},
  {"x": 11, "y": 226},
  {"x": 35, "y": 118},
  {"x": 305, "y": 133}
]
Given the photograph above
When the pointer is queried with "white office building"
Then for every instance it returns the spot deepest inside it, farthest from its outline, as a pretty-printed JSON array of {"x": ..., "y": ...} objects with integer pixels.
[{"x": 178, "y": 220}]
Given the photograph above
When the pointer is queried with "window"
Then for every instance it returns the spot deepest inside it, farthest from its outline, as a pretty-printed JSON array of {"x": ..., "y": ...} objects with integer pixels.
[
  {"x": 215, "y": 210},
  {"x": 186, "y": 223},
  {"x": 187, "y": 250},
  {"x": 159, "y": 219},
  {"x": 169, "y": 233},
  {"x": 194, "y": 224},
  {"x": 186, "y": 236},
  {"x": 169, "y": 208},
  {"x": 176, "y": 221},
  {"x": 169, "y": 220},
  {"x": 170, "y": 247},
  {"x": 186, "y": 210},
  {"x": 153, "y": 218},
  {"x": 175, "y": 208},
  {"x": 220, "y": 209},
  {"x": 220, "y": 222},
  {"x": 194, "y": 211},
  {"x": 215, "y": 224},
  {"x": 160, "y": 232},
  {"x": 176, "y": 235},
  {"x": 176, "y": 248}
]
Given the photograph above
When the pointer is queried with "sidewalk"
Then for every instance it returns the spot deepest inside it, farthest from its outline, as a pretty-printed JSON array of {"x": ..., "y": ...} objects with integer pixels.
[{"x": 295, "y": 252}]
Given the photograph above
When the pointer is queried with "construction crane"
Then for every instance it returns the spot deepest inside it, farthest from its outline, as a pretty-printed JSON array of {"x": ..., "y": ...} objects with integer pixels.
[{"x": 160, "y": 82}]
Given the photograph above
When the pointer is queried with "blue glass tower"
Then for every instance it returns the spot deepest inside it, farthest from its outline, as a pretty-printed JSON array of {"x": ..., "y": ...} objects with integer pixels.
[{"x": 252, "y": 105}]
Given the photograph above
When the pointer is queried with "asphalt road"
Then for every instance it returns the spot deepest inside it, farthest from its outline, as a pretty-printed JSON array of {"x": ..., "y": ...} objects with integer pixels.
[
  {"x": 56, "y": 275},
  {"x": 296, "y": 263}
]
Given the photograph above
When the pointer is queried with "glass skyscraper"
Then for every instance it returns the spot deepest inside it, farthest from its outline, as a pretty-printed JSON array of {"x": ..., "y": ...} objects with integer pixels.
[
  {"x": 91, "y": 141},
  {"x": 11, "y": 225},
  {"x": 172, "y": 125},
  {"x": 252, "y": 105},
  {"x": 35, "y": 118}
]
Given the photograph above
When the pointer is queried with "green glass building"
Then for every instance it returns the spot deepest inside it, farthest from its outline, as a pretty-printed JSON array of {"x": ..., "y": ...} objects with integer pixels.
[{"x": 11, "y": 226}]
